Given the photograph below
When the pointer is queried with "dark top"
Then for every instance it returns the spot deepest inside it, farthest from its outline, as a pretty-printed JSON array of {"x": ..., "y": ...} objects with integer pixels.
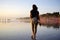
[{"x": 34, "y": 13}]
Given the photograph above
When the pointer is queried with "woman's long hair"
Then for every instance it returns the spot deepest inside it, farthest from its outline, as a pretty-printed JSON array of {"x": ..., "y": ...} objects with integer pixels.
[{"x": 34, "y": 7}]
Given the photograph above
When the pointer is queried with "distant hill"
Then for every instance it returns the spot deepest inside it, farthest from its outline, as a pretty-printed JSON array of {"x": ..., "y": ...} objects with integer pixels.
[
  {"x": 55, "y": 14},
  {"x": 48, "y": 18}
]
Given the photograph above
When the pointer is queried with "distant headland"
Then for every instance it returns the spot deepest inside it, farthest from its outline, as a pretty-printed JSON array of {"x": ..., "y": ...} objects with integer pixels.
[{"x": 47, "y": 18}]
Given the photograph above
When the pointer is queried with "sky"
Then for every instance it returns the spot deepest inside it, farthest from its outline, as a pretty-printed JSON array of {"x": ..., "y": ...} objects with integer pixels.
[{"x": 21, "y": 8}]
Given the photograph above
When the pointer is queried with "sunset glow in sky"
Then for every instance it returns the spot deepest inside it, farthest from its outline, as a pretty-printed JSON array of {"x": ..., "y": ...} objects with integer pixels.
[{"x": 21, "y": 8}]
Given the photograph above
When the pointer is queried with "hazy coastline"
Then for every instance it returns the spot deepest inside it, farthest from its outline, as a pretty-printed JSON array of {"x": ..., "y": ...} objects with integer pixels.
[{"x": 48, "y": 18}]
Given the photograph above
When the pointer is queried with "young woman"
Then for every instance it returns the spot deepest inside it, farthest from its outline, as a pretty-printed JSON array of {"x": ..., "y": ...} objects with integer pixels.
[{"x": 34, "y": 16}]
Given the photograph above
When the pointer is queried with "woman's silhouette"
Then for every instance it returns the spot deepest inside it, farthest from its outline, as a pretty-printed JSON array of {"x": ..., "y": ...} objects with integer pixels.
[{"x": 34, "y": 16}]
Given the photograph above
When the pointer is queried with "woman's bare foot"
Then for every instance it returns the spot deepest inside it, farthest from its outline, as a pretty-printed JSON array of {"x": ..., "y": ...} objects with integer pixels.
[{"x": 33, "y": 37}]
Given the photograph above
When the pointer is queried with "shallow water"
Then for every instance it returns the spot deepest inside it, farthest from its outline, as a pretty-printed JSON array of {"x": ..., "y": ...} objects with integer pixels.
[{"x": 22, "y": 31}]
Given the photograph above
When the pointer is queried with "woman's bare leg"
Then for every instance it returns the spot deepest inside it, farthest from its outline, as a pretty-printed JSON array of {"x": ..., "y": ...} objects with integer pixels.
[
  {"x": 35, "y": 30},
  {"x": 32, "y": 29}
]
